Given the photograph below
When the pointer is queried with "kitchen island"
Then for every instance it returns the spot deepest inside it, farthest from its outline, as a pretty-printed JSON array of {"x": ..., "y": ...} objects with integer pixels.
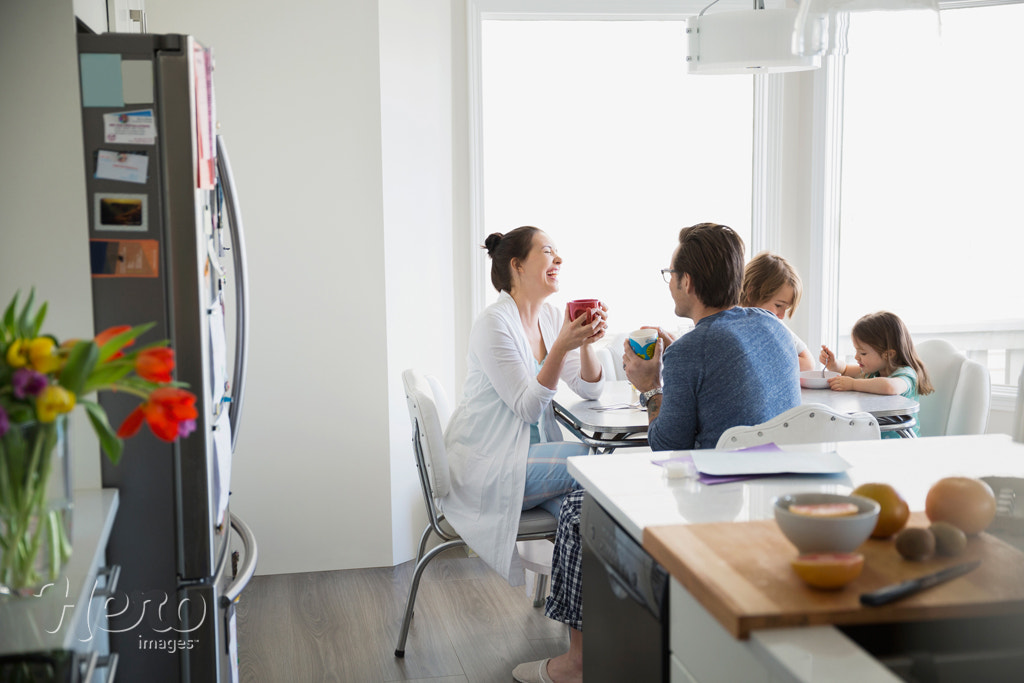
[{"x": 636, "y": 494}]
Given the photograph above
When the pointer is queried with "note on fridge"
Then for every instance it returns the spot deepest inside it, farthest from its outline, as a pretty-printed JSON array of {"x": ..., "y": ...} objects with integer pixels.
[
  {"x": 137, "y": 81},
  {"x": 233, "y": 645},
  {"x": 124, "y": 166},
  {"x": 222, "y": 464},
  {"x": 206, "y": 159},
  {"x": 218, "y": 353},
  {"x": 130, "y": 127},
  {"x": 101, "y": 80}
]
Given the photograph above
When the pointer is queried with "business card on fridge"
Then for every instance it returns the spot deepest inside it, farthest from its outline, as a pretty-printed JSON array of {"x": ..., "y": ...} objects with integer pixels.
[
  {"x": 130, "y": 127},
  {"x": 124, "y": 166}
]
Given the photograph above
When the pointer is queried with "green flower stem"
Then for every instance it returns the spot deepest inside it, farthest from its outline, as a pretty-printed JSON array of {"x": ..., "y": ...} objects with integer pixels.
[{"x": 20, "y": 541}]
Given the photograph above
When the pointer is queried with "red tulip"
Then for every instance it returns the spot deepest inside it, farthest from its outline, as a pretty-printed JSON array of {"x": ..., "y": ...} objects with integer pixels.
[
  {"x": 155, "y": 364},
  {"x": 108, "y": 334},
  {"x": 165, "y": 412}
]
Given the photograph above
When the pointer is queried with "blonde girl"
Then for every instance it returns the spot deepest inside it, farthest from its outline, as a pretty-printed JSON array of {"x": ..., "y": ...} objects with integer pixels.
[{"x": 771, "y": 283}]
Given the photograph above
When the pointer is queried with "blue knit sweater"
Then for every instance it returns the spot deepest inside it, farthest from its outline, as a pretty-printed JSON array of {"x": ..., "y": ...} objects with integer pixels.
[{"x": 736, "y": 367}]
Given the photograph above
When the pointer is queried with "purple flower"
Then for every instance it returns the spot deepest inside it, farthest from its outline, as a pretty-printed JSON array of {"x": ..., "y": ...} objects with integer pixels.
[
  {"x": 186, "y": 427},
  {"x": 5, "y": 424},
  {"x": 26, "y": 382}
]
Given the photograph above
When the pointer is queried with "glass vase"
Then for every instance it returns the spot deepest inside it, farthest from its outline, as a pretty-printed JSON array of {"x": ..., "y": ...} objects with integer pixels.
[{"x": 35, "y": 506}]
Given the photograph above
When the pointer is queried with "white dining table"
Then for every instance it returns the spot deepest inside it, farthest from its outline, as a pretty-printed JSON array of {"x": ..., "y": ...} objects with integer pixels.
[{"x": 616, "y": 420}]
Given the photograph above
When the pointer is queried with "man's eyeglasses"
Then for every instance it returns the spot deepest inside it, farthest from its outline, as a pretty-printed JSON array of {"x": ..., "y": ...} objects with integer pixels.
[{"x": 666, "y": 274}]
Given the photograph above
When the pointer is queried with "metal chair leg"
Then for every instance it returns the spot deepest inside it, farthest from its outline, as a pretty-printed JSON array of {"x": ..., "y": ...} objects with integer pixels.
[
  {"x": 540, "y": 587},
  {"x": 416, "y": 575},
  {"x": 424, "y": 537}
]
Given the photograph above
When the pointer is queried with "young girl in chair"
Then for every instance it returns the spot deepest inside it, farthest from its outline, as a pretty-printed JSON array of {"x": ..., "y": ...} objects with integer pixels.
[{"x": 886, "y": 361}]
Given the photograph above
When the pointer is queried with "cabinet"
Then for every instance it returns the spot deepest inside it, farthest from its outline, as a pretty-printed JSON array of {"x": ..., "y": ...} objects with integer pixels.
[
  {"x": 66, "y": 623},
  {"x": 709, "y": 652}
]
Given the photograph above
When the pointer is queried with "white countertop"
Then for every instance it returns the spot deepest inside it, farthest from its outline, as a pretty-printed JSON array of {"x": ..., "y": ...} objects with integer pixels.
[
  {"x": 33, "y": 624},
  {"x": 637, "y": 495}
]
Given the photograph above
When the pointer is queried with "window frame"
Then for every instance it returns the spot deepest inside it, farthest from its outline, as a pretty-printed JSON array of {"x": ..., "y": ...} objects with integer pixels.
[
  {"x": 826, "y": 194},
  {"x": 766, "y": 173}
]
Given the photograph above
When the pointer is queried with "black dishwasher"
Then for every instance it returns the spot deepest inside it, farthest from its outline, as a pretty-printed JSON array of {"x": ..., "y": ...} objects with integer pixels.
[{"x": 625, "y": 602}]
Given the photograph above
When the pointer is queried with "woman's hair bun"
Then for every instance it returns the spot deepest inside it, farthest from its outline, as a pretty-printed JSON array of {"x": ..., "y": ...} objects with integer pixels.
[{"x": 492, "y": 242}]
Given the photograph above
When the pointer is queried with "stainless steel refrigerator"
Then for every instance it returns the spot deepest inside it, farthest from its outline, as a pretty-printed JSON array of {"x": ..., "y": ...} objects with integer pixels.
[{"x": 166, "y": 246}]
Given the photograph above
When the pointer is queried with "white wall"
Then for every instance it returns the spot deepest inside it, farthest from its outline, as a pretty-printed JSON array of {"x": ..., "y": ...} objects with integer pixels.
[
  {"x": 43, "y": 219},
  {"x": 298, "y": 96},
  {"x": 416, "y": 115}
]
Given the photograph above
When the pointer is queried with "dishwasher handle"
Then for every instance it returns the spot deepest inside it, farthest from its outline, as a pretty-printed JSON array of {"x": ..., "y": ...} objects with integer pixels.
[
  {"x": 622, "y": 588},
  {"x": 632, "y": 572}
]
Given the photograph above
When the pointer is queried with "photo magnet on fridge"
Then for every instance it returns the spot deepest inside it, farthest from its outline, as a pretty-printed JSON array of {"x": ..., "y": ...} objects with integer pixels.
[
  {"x": 123, "y": 212},
  {"x": 124, "y": 258}
]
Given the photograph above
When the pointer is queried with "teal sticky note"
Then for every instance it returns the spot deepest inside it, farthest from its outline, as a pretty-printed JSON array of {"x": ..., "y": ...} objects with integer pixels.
[{"x": 101, "y": 80}]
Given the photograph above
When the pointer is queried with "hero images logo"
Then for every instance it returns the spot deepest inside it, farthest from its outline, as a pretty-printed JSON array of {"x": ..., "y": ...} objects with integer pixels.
[{"x": 152, "y": 607}]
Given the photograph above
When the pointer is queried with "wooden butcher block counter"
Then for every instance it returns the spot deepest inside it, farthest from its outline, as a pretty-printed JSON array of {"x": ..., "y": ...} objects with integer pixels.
[{"x": 740, "y": 572}]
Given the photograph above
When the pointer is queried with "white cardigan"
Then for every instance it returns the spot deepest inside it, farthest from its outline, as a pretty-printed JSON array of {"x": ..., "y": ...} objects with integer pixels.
[{"x": 488, "y": 436}]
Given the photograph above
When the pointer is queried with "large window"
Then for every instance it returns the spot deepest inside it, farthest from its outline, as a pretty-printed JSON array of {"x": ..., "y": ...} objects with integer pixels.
[
  {"x": 593, "y": 132},
  {"x": 932, "y": 225}
]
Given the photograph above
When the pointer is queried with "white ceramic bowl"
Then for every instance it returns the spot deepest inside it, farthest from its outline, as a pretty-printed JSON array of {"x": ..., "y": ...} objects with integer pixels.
[
  {"x": 813, "y": 379},
  {"x": 826, "y": 534}
]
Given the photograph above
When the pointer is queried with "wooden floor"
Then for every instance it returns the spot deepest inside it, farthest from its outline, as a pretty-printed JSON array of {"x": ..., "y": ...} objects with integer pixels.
[{"x": 470, "y": 626}]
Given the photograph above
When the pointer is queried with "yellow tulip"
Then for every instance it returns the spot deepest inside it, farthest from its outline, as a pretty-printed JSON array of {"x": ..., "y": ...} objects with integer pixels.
[
  {"x": 53, "y": 401},
  {"x": 42, "y": 356},
  {"x": 17, "y": 354}
]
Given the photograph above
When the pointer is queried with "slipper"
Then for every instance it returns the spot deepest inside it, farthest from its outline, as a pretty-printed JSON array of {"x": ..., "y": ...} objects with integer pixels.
[{"x": 532, "y": 672}]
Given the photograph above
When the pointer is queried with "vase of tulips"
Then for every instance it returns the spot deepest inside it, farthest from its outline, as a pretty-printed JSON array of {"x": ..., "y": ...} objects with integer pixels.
[{"x": 41, "y": 381}]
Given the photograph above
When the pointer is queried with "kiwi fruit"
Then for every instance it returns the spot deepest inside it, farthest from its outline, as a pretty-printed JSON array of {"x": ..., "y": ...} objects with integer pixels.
[
  {"x": 949, "y": 540},
  {"x": 915, "y": 543}
]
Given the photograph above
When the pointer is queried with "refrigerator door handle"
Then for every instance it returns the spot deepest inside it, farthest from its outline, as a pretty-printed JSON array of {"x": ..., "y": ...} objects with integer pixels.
[
  {"x": 241, "y": 289},
  {"x": 246, "y": 571}
]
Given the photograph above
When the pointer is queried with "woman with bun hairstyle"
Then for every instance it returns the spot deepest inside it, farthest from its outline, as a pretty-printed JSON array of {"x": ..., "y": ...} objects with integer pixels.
[{"x": 504, "y": 448}]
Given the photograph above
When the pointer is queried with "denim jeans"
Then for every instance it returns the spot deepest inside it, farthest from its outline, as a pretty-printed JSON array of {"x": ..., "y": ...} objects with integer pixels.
[{"x": 547, "y": 479}]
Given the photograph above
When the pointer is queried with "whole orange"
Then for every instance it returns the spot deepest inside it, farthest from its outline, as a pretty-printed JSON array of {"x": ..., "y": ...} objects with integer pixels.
[
  {"x": 894, "y": 513},
  {"x": 828, "y": 570},
  {"x": 966, "y": 503}
]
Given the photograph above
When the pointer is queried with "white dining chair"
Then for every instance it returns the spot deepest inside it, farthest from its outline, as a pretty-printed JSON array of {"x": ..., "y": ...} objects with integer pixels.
[
  {"x": 960, "y": 402},
  {"x": 611, "y": 364},
  {"x": 428, "y": 405},
  {"x": 807, "y": 423},
  {"x": 615, "y": 350}
]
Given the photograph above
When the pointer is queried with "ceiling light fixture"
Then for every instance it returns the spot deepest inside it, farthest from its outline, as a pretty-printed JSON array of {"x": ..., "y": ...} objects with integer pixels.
[{"x": 752, "y": 41}]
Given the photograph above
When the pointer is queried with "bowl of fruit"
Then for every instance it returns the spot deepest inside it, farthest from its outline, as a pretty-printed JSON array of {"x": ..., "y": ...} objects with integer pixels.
[{"x": 825, "y": 522}]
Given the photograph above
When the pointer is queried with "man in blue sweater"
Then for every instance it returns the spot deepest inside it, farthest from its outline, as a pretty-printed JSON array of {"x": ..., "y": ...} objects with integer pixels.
[{"x": 737, "y": 366}]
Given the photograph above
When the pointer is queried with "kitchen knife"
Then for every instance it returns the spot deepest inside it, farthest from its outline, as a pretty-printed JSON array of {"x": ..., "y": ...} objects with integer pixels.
[{"x": 884, "y": 596}]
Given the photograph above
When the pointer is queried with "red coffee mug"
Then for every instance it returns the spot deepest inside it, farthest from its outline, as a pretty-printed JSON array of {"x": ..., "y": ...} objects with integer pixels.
[{"x": 577, "y": 306}]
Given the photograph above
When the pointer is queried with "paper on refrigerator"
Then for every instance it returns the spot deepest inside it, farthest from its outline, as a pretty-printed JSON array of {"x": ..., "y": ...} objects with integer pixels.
[
  {"x": 124, "y": 166},
  {"x": 130, "y": 127},
  {"x": 233, "y": 645},
  {"x": 222, "y": 463},
  {"x": 218, "y": 354}
]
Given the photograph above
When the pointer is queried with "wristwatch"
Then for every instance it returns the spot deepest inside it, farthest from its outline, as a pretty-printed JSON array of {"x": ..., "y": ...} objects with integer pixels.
[{"x": 646, "y": 396}]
